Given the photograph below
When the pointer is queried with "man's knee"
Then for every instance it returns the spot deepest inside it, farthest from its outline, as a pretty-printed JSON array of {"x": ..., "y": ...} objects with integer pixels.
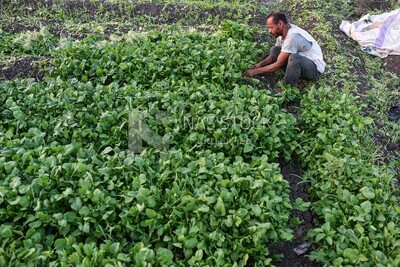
[
  {"x": 294, "y": 59},
  {"x": 274, "y": 52},
  {"x": 293, "y": 69}
]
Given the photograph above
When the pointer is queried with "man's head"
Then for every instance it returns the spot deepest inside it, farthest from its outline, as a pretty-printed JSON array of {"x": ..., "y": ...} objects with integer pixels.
[{"x": 277, "y": 24}]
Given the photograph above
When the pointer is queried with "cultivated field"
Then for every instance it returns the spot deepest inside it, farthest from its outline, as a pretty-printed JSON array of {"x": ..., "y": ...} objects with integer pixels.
[{"x": 129, "y": 137}]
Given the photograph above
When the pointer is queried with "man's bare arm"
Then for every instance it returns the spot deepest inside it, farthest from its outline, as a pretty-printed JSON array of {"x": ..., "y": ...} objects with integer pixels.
[
  {"x": 268, "y": 60},
  {"x": 282, "y": 59}
]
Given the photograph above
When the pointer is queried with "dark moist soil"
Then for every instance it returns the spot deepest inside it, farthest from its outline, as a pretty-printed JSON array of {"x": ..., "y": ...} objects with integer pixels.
[
  {"x": 27, "y": 67},
  {"x": 292, "y": 173},
  {"x": 159, "y": 13},
  {"x": 392, "y": 64}
]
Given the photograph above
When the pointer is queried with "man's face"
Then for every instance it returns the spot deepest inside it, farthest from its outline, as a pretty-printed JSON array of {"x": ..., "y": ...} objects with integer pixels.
[{"x": 274, "y": 29}]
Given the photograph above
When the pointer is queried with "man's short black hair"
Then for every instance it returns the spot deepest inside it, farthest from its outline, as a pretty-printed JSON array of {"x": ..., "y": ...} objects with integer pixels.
[{"x": 277, "y": 16}]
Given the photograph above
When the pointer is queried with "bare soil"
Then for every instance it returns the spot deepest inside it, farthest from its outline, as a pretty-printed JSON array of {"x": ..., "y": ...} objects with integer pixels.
[
  {"x": 393, "y": 64},
  {"x": 291, "y": 171},
  {"x": 159, "y": 14},
  {"x": 26, "y": 67}
]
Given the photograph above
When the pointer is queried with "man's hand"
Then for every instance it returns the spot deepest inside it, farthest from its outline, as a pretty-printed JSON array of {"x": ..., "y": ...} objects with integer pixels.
[{"x": 250, "y": 73}]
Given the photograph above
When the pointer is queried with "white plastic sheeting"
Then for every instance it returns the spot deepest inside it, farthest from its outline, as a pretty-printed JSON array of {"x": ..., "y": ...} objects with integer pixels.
[{"x": 378, "y": 35}]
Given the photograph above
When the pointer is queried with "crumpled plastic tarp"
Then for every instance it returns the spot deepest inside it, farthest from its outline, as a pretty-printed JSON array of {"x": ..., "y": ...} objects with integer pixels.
[{"x": 378, "y": 35}]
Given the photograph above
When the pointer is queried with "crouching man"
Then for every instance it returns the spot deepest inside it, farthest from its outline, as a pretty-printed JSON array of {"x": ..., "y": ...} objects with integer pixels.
[{"x": 295, "y": 51}]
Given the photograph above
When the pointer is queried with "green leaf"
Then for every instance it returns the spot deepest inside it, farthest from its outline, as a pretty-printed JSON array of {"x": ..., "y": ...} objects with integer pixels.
[
  {"x": 86, "y": 227},
  {"x": 151, "y": 213},
  {"x": 107, "y": 150},
  {"x": 16, "y": 181},
  {"x": 36, "y": 237},
  {"x": 98, "y": 194},
  {"x": 319, "y": 237},
  {"x": 220, "y": 257},
  {"x": 88, "y": 249},
  {"x": 366, "y": 206},
  {"x": 203, "y": 208},
  {"x": 301, "y": 205},
  {"x": 15, "y": 201},
  {"x": 76, "y": 203},
  {"x": 248, "y": 147},
  {"x": 60, "y": 244},
  {"x": 228, "y": 221},
  {"x": 164, "y": 256},
  {"x": 84, "y": 211},
  {"x": 286, "y": 236},
  {"x": 69, "y": 149},
  {"x": 124, "y": 65},
  {"x": 351, "y": 254},
  {"x": 151, "y": 202},
  {"x": 338, "y": 261},
  {"x": 99, "y": 72},
  {"x": 2, "y": 261},
  {"x": 220, "y": 207},
  {"x": 362, "y": 258},
  {"x": 191, "y": 243},
  {"x": 114, "y": 248},
  {"x": 256, "y": 210},
  {"x": 199, "y": 255},
  {"x": 9, "y": 134},
  {"x": 359, "y": 228},
  {"x": 368, "y": 193},
  {"x": 70, "y": 216},
  {"x": 5, "y": 231}
]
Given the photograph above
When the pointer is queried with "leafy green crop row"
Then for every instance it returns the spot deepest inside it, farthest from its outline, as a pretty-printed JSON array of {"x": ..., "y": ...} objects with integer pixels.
[
  {"x": 32, "y": 42},
  {"x": 167, "y": 208},
  {"x": 356, "y": 200},
  {"x": 157, "y": 58},
  {"x": 72, "y": 191}
]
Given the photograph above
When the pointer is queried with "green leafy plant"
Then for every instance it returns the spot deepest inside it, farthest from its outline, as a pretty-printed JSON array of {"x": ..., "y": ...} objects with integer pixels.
[
  {"x": 355, "y": 199},
  {"x": 33, "y": 42},
  {"x": 72, "y": 191}
]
